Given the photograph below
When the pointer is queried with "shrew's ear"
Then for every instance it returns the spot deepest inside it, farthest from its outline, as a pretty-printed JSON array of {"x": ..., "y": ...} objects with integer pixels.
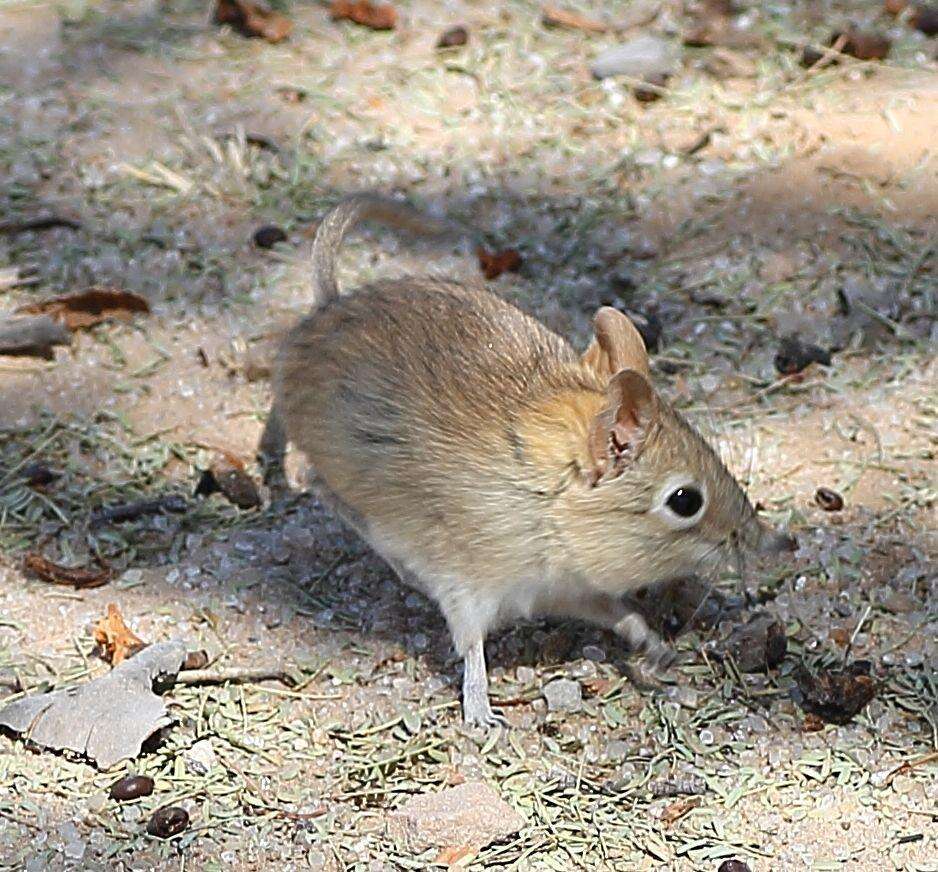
[
  {"x": 619, "y": 432},
  {"x": 617, "y": 345}
]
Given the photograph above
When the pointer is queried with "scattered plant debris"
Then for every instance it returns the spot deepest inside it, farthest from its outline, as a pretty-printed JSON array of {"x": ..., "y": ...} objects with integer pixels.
[
  {"x": 116, "y": 640},
  {"x": 106, "y": 719},
  {"x": 554, "y": 16},
  {"x": 78, "y": 577},
  {"x": 228, "y": 477},
  {"x": 794, "y": 356},
  {"x": 669, "y": 787},
  {"x": 864, "y": 45},
  {"x": 131, "y": 787},
  {"x": 167, "y": 822},
  {"x": 85, "y": 309},
  {"x": 494, "y": 263},
  {"x": 174, "y": 504},
  {"x": 836, "y": 696},
  {"x": 377, "y": 16},
  {"x": 253, "y": 18},
  {"x": 453, "y": 37},
  {"x": 38, "y": 475},
  {"x": 828, "y": 499},
  {"x": 32, "y": 337},
  {"x": 269, "y": 235}
]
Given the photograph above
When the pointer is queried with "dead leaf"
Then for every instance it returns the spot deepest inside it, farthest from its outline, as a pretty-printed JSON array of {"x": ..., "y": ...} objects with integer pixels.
[
  {"x": 676, "y": 810},
  {"x": 455, "y": 858},
  {"x": 228, "y": 476},
  {"x": 835, "y": 696},
  {"x": 75, "y": 576},
  {"x": 598, "y": 686},
  {"x": 556, "y": 17},
  {"x": 494, "y": 263},
  {"x": 107, "y": 719},
  {"x": 116, "y": 639},
  {"x": 90, "y": 307},
  {"x": 377, "y": 16},
  {"x": 253, "y": 18}
]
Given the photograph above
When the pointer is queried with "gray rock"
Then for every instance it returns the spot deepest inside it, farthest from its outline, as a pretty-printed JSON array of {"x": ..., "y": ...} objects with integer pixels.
[
  {"x": 470, "y": 814},
  {"x": 646, "y": 57},
  {"x": 563, "y": 695},
  {"x": 200, "y": 758}
]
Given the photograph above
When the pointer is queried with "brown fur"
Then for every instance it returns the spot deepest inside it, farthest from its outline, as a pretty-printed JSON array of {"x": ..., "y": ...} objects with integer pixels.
[{"x": 493, "y": 466}]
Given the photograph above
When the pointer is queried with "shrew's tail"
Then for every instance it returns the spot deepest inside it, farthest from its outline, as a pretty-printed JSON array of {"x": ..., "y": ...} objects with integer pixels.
[{"x": 345, "y": 217}]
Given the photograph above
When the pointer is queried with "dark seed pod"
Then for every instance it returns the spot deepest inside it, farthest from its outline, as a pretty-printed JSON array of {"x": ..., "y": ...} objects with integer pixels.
[
  {"x": 268, "y": 236},
  {"x": 925, "y": 20},
  {"x": 733, "y": 866},
  {"x": 195, "y": 660},
  {"x": 828, "y": 499},
  {"x": 131, "y": 787},
  {"x": 167, "y": 822},
  {"x": 453, "y": 37}
]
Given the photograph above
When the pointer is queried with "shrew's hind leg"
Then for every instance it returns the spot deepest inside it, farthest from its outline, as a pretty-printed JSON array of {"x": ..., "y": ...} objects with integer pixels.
[{"x": 272, "y": 450}]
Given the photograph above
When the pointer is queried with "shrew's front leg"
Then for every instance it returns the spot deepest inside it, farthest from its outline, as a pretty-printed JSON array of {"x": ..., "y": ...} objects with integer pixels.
[{"x": 620, "y": 616}]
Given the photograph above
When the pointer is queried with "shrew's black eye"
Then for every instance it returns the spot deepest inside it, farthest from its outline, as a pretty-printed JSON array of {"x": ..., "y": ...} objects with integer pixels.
[{"x": 685, "y": 501}]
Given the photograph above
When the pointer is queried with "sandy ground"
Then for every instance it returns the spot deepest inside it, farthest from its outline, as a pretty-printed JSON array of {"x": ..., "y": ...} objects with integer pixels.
[{"x": 147, "y": 125}]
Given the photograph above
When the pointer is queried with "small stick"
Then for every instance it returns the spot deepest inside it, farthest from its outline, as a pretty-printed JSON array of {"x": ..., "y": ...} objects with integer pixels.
[
  {"x": 132, "y": 511},
  {"x": 32, "y": 337},
  {"x": 234, "y": 674},
  {"x": 41, "y": 222}
]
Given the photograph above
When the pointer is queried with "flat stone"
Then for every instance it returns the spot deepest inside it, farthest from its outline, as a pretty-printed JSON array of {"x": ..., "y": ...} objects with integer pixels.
[
  {"x": 646, "y": 57},
  {"x": 563, "y": 695},
  {"x": 470, "y": 814}
]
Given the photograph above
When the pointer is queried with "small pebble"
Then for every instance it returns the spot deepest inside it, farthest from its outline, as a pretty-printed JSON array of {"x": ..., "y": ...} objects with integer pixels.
[
  {"x": 594, "y": 652},
  {"x": 563, "y": 695},
  {"x": 645, "y": 57},
  {"x": 268, "y": 236}
]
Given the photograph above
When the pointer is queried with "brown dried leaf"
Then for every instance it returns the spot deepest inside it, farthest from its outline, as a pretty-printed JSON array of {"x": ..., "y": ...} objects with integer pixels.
[
  {"x": 116, "y": 639},
  {"x": 75, "y": 576},
  {"x": 90, "y": 307},
  {"x": 494, "y": 263},
  {"x": 556, "y": 17},
  {"x": 677, "y": 810},
  {"x": 228, "y": 476},
  {"x": 252, "y": 18},
  {"x": 377, "y": 16},
  {"x": 836, "y": 696},
  {"x": 455, "y": 858}
]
